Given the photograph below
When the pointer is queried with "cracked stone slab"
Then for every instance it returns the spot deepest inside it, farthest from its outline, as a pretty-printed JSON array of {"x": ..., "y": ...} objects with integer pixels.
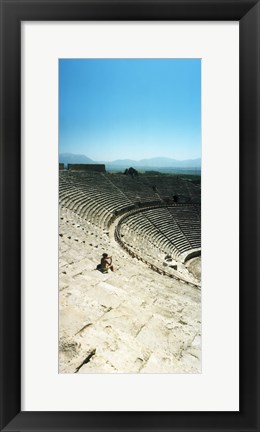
[{"x": 136, "y": 320}]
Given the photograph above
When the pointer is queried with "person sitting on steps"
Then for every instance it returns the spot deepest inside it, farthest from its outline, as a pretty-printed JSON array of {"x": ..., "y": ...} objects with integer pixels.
[{"x": 106, "y": 263}]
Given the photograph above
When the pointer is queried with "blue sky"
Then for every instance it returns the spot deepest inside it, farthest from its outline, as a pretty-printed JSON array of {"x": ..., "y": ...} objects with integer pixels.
[{"x": 130, "y": 108}]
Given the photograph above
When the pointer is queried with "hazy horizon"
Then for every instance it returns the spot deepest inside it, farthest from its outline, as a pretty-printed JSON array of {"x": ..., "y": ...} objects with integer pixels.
[
  {"x": 122, "y": 158},
  {"x": 112, "y": 109}
]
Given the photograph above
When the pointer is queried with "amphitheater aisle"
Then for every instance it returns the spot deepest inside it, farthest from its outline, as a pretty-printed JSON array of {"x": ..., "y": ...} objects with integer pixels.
[{"x": 130, "y": 321}]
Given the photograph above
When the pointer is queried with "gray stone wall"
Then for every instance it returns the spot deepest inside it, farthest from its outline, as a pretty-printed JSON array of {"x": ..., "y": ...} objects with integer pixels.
[{"x": 87, "y": 167}]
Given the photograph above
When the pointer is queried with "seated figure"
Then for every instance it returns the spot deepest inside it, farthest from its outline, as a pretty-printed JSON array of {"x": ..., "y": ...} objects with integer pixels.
[{"x": 106, "y": 263}]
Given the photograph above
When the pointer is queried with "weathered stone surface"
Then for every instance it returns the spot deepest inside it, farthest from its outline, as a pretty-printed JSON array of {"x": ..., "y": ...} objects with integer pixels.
[{"x": 133, "y": 320}]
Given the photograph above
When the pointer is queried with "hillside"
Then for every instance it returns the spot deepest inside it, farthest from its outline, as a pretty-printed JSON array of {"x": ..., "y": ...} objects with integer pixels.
[{"x": 70, "y": 158}]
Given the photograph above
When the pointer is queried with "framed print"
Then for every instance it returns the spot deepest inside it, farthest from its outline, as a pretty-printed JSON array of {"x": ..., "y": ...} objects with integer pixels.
[
  {"x": 112, "y": 113},
  {"x": 111, "y": 327}
]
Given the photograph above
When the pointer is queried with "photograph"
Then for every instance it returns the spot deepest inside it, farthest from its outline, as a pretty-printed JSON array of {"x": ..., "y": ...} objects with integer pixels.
[{"x": 130, "y": 215}]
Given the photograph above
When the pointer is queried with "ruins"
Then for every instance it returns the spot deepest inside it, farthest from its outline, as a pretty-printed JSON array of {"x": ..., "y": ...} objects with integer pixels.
[
  {"x": 146, "y": 316},
  {"x": 87, "y": 167}
]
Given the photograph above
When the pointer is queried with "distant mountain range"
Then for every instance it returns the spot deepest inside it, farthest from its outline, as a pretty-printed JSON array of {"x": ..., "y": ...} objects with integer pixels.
[
  {"x": 158, "y": 162},
  {"x": 70, "y": 158}
]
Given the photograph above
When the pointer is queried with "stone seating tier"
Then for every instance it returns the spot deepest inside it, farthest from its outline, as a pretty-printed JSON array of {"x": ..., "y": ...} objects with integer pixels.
[
  {"x": 162, "y": 227},
  {"x": 137, "y": 189},
  {"x": 101, "y": 198}
]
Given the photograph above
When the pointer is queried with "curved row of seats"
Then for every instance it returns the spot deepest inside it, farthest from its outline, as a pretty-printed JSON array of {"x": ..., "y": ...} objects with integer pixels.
[
  {"x": 91, "y": 197},
  {"x": 100, "y": 198},
  {"x": 149, "y": 255},
  {"x": 172, "y": 229},
  {"x": 157, "y": 186},
  {"x": 116, "y": 191}
]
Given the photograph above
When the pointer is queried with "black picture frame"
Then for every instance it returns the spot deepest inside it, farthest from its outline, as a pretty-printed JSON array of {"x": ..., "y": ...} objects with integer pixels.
[{"x": 12, "y": 14}]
